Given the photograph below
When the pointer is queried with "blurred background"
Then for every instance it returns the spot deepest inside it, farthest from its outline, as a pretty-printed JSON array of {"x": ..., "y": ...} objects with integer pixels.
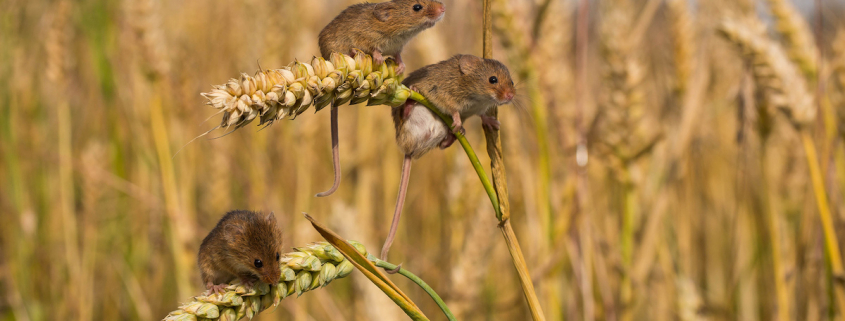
[{"x": 653, "y": 173}]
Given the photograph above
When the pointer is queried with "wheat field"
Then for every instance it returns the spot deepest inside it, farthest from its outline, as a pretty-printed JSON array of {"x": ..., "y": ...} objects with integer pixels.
[{"x": 666, "y": 160}]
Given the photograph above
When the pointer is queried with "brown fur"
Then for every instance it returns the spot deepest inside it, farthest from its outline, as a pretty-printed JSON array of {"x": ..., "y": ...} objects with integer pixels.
[
  {"x": 385, "y": 27},
  {"x": 231, "y": 248}
]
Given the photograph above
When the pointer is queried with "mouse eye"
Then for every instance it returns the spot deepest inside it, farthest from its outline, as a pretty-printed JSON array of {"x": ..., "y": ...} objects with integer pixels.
[
  {"x": 494, "y": 80},
  {"x": 277, "y": 256},
  {"x": 417, "y": 7},
  {"x": 258, "y": 263}
]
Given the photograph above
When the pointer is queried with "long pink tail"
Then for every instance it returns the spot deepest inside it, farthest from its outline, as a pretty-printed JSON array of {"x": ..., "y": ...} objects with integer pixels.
[
  {"x": 335, "y": 156},
  {"x": 400, "y": 201}
]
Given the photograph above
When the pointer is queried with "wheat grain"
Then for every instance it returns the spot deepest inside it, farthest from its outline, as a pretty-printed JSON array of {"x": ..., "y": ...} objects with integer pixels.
[
  {"x": 796, "y": 35},
  {"x": 683, "y": 34},
  {"x": 782, "y": 83},
  {"x": 287, "y": 92}
]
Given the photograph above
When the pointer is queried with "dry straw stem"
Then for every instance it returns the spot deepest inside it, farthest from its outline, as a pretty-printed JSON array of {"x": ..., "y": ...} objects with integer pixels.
[
  {"x": 57, "y": 43},
  {"x": 497, "y": 166},
  {"x": 504, "y": 224},
  {"x": 356, "y": 255},
  {"x": 275, "y": 94},
  {"x": 797, "y": 36},
  {"x": 512, "y": 40},
  {"x": 786, "y": 89},
  {"x": 524, "y": 56},
  {"x": 308, "y": 268},
  {"x": 179, "y": 227}
]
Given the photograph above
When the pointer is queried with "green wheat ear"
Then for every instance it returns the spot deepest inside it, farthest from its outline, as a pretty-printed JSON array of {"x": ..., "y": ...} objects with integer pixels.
[
  {"x": 275, "y": 94},
  {"x": 308, "y": 268}
]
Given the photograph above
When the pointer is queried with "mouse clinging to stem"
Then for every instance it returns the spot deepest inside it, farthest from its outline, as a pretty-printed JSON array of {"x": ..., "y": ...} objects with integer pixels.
[
  {"x": 244, "y": 245},
  {"x": 379, "y": 29},
  {"x": 461, "y": 86},
  {"x": 466, "y": 85}
]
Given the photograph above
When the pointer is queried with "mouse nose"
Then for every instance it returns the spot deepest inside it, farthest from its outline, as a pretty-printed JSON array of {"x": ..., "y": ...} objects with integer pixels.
[
  {"x": 509, "y": 96},
  {"x": 441, "y": 10}
]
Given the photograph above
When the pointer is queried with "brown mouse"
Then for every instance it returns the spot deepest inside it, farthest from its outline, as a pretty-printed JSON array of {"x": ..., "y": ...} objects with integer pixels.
[
  {"x": 465, "y": 84},
  {"x": 378, "y": 29},
  {"x": 245, "y": 245}
]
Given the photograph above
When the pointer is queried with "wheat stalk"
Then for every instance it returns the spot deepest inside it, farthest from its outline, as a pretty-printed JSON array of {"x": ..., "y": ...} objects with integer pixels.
[
  {"x": 623, "y": 77},
  {"x": 784, "y": 87},
  {"x": 308, "y": 268},
  {"x": 287, "y": 92}
]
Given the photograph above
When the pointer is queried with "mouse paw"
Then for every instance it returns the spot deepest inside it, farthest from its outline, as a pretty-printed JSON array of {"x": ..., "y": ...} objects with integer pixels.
[
  {"x": 457, "y": 124},
  {"x": 248, "y": 281},
  {"x": 448, "y": 141},
  {"x": 378, "y": 58},
  {"x": 407, "y": 108},
  {"x": 400, "y": 65},
  {"x": 490, "y": 122},
  {"x": 212, "y": 288}
]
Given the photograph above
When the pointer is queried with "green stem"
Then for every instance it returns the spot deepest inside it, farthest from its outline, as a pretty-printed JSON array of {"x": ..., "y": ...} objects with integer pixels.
[
  {"x": 390, "y": 266},
  {"x": 470, "y": 152}
]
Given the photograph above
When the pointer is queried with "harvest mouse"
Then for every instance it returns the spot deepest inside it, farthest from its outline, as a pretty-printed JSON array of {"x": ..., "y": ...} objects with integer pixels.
[
  {"x": 245, "y": 245},
  {"x": 378, "y": 29},
  {"x": 465, "y": 84}
]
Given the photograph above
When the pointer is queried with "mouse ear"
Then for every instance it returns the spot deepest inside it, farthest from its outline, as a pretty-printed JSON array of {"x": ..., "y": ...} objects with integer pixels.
[
  {"x": 271, "y": 217},
  {"x": 467, "y": 63},
  {"x": 382, "y": 11}
]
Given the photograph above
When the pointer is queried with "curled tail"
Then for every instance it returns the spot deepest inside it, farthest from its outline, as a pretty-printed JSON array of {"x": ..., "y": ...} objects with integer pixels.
[
  {"x": 335, "y": 156},
  {"x": 400, "y": 201}
]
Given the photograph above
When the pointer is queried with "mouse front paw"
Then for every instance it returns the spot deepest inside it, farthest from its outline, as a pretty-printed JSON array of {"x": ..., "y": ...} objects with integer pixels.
[
  {"x": 248, "y": 281},
  {"x": 212, "y": 288},
  {"x": 457, "y": 124},
  {"x": 378, "y": 58}
]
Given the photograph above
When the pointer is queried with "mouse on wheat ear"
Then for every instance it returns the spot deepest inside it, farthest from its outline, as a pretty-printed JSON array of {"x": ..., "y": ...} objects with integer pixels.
[
  {"x": 244, "y": 245},
  {"x": 380, "y": 30}
]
